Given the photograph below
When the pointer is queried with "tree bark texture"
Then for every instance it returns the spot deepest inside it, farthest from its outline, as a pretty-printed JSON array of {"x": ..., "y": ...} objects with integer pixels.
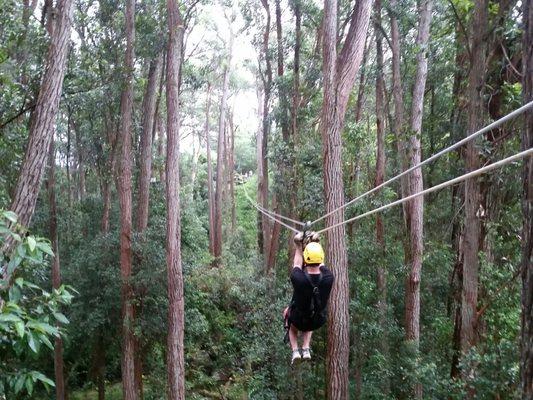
[
  {"x": 56, "y": 272},
  {"x": 217, "y": 248},
  {"x": 176, "y": 311},
  {"x": 415, "y": 182},
  {"x": 262, "y": 173},
  {"x": 210, "y": 194},
  {"x": 381, "y": 278},
  {"x": 339, "y": 74},
  {"x": 476, "y": 79},
  {"x": 124, "y": 182},
  {"x": 149, "y": 106},
  {"x": 526, "y": 343},
  {"x": 43, "y": 119}
]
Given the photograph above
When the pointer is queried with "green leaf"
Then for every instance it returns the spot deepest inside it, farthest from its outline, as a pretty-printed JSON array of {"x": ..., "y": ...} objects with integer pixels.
[
  {"x": 19, "y": 327},
  {"x": 43, "y": 327},
  {"x": 19, "y": 282},
  {"x": 29, "y": 385},
  {"x": 61, "y": 318},
  {"x": 47, "y": 342},
  {"x": 19, "y": 384},
  {"x": 37, "y": 375},
  {"x": 10, "y": 215},
  {"x": 9, "y": 318},
  {"x": 34, "y": 345},
  {"x": 32, "y": 243},
  {"x": 45, "y": 247}
]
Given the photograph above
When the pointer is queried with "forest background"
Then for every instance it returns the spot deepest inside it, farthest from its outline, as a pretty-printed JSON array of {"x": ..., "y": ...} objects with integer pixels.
[{"x": 150, "y": 123}]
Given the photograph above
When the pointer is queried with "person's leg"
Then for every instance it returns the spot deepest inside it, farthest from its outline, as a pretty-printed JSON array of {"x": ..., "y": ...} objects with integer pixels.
[
  {"x": 307, "y": 339},
  {"x": 293, "y": 337}
]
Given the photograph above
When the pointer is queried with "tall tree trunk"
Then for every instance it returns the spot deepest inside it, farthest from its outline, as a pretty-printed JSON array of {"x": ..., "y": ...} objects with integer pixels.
[
  {"x": 296, "y": 72},
  {"x": 231, "y": 172},
  {"x": 43, "y": 119},
  {"x": 381, "y": 279},
  {"x": 476, "y": 79},
  {"x": 339, "y": 74},
  {"x": 220, "y": 154},
  {"x": 124, "y": 182},
  {"x": 80, "y": 161},
  {"x": 56, "y": 272},
  {"x": 149, "y": 106},
  {"x": 262, "y": 173},
  {"x": 416, "y": 206},
  {"x": 526, "y": 343},
  {"x": 176, "y": 309},
  {"x": 397, "y": 91},
  {"x": 210, "y": 195}
]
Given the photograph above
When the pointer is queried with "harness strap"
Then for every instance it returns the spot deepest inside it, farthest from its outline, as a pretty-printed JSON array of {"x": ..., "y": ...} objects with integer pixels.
[{"x": 316, "y": 290}]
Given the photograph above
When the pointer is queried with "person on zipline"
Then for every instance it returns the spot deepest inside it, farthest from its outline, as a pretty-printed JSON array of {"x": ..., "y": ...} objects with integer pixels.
[{"x": 311, "y": 281}]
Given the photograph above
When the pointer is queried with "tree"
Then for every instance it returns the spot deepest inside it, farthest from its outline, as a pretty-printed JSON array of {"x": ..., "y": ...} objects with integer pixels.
[
  {"x": 381, "y": 277},
  {"x": 263, "y": 224},
  {"x": 210, "y": 196},
  {"x": 476, "y": 79},
  {"x": 217, "y": 248},
  {"x": 415, "y": 216},
  {"x": 149, "y": 108},
  {"x": 43, "y": 118},
  {"x": 339, "y": 74},
  {"x": 176, "y": 309},
  {"x": 526, "y": 343},
  {"x": 56, "y": 272},
  {"x": 123, "y": 179}
]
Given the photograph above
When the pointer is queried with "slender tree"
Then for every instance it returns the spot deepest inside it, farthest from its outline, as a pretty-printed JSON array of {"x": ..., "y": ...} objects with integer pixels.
[
  {"x": 217, "y": 248},
  {"x": 210, "y": 194},
  {"x": 476, "y": 79},
  {"x": 415, "y": 217},
  {"x": 56, "y": 271},
  {"x": 148, "y": 120},
  {"x": 381, "y": 277},
  {"x": 43, "y": 118},
  {"x": 526, "y": 343},
  {"x": 263, "y": 224},
  {"x": 339, "y": 74},
  {"x": 176, "y": 307},
  {"x": 124, "y": 182}
]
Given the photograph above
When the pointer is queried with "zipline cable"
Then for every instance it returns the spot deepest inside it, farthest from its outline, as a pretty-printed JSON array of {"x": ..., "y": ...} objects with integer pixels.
[
  {"x": 474, "y": 135},
  {"x": 267, "y": 213},
  {"x": 450, "y": 182}
]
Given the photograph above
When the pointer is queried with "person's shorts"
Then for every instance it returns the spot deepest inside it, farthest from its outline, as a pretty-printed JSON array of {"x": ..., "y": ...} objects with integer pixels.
[{"x": 306, "y": 323}]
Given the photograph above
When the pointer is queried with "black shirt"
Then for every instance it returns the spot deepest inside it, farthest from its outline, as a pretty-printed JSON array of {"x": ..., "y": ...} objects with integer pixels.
[{"x": 303, "y": 291}]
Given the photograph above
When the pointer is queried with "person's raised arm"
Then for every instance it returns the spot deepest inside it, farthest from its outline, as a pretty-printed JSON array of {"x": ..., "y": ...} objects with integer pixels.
[{"x": 298, "y": 256}]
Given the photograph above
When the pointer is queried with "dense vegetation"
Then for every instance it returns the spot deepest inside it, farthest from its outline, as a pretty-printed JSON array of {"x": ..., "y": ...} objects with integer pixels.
[{"x": 257, "y": 88}]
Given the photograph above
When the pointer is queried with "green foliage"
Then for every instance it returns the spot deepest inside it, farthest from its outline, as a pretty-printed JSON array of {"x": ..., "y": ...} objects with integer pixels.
[{"x": 30, "y": 317}]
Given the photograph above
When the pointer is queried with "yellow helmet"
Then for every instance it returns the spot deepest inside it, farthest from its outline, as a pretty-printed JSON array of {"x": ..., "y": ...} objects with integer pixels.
[{"x": 313, "y": 253}]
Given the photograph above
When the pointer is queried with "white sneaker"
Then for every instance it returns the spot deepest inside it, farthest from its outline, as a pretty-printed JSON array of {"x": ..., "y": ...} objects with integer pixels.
[
  {"x": 296, "y": 356},
  {"x": 306, "y": 354}
]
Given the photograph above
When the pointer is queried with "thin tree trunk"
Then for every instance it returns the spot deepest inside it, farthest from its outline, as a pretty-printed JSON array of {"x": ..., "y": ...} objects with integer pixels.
[
  {"x": 220, "y": 154},
  {"x": 469, "y": 296},
  {"x": 176, "y": 306},
  {"x": 296, "y": 71},
  {"x": 526, "y": 343},
  {"x": 124, "y": 182},
  {"x": 339, "y": 74},
  {"x": 231, "y": 173},
  {"x": 262, "y": 175},
  {"x": 43, "y": 119},
  {"x": 149, "y": 106},
  {"x": 81, "y": 164},
  {"x": 56, "y": 272},
  {"x": 210, "y": 196},
  {"x": 416, "y": 206},
  {"x": 381, "y": 279},
  {"x": 397, "y": 91}
]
